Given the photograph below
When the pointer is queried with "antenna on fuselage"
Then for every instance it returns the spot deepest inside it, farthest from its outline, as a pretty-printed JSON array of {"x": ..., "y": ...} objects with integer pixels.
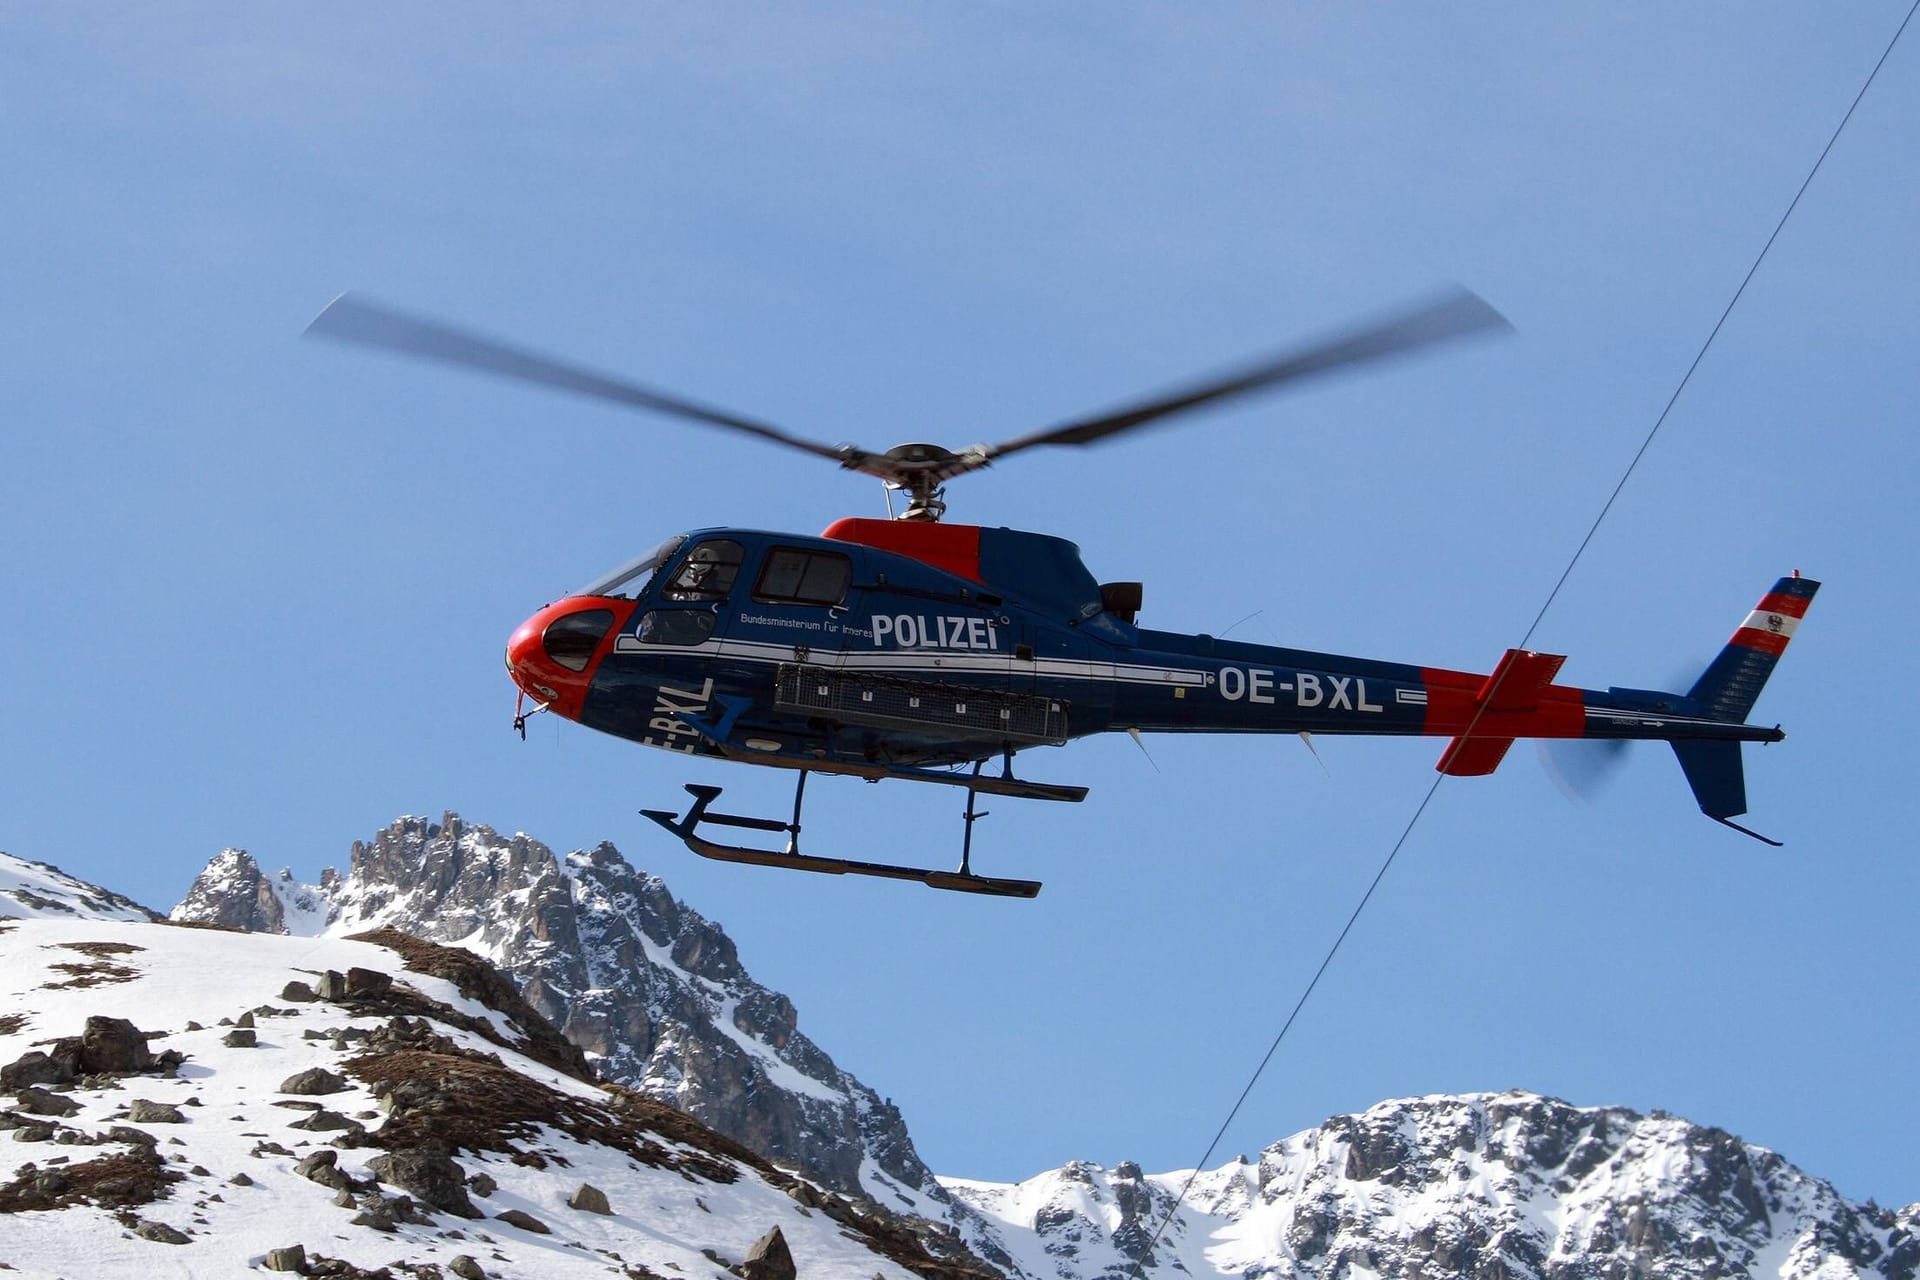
[{"x": 1141, "y": 743}]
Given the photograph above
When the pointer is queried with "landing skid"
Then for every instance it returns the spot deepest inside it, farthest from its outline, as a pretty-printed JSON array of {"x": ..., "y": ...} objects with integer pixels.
[{"x": 961, "y": 881}]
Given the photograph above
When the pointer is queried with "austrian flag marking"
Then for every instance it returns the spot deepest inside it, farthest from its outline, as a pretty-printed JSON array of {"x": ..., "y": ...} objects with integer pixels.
[{"x": 1772, "y": 623}]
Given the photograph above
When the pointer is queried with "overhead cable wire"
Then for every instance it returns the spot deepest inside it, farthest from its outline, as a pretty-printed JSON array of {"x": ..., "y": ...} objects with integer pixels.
[{"x": 1579, "y": 551}]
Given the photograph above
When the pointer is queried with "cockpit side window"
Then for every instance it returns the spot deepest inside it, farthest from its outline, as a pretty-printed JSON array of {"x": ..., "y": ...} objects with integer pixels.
[
  {"x": 675, "y": 626},
  {"x": 793, "y": 576},
  {"x": 708, "y": 571}
]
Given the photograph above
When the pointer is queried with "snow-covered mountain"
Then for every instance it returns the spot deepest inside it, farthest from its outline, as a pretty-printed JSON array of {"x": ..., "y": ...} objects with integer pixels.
[
  {"x": 653, "y": 991},
  {"x": 33, "y": 889},
  {"x": 1492, "y": 1186},
  {"x": 1500, "y": 1187},
  {"x": 200, "y": 1102}
]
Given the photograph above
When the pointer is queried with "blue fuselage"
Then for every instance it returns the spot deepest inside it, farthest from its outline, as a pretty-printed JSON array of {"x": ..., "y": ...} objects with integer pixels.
[{"x": 787, "y": 648}]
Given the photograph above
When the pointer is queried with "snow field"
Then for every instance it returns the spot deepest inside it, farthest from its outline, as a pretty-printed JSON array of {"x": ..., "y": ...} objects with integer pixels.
[{"x": 661, "y": 1219}]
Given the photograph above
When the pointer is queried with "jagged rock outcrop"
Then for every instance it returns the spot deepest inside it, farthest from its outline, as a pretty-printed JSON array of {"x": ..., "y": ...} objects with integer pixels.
[
  {"x": 234, "y": 893},
  {"x": 1508, "y": 1186},
  {"x": 652, "y": 990}
]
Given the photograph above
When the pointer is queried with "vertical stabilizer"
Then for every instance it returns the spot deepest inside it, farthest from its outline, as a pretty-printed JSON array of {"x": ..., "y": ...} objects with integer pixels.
[
  {"x": 1729, "y": 687},
  {"x": 1715, "y": 773}
]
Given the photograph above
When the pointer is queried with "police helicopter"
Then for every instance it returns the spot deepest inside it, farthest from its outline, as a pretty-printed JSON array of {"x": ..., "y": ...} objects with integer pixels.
[{"x": 926, "y": 651}]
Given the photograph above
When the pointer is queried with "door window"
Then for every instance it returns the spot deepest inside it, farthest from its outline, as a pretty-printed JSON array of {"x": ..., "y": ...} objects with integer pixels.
[{"x": 793, "y": 576}]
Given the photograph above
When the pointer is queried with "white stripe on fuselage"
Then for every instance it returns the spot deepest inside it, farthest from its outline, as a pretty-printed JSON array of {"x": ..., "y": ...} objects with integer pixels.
[{"x": 925, "y": 663}]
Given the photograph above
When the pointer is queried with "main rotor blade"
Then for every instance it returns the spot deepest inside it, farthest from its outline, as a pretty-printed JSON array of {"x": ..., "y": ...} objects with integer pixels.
[
  {"x": 349, "y": 318},
  {"x": 1454, "y": 314}
]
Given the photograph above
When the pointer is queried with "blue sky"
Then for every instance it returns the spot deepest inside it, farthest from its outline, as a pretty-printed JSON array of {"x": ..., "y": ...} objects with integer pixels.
[{"x": 257, "y": 588}]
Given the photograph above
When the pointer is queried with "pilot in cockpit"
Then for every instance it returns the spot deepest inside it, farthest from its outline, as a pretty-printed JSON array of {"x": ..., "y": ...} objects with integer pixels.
[{"x": 707, "y": 574}]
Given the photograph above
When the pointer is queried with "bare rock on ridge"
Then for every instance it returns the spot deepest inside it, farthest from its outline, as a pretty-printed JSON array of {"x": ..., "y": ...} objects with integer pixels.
[{"x": 631, "y": 975}]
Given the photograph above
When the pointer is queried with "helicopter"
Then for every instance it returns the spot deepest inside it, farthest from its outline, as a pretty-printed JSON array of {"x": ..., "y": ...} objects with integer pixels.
[{"x": 916, "y": 649}]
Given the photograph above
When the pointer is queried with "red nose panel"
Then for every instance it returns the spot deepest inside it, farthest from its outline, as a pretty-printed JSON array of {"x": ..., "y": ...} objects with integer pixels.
[{"x": 552, "y": 655}]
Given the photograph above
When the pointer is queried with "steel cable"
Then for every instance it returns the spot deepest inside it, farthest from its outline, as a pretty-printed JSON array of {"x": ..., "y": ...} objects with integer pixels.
[{"x": 1579, "y": 551}]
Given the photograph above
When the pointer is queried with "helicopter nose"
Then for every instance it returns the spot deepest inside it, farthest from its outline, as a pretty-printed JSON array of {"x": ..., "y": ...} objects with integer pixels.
[{"x": 551, "y": 655}]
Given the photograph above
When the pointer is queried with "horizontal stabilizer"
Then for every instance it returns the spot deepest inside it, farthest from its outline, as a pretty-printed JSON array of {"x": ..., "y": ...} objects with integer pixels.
[
  {"x": 1515, "y": 685},
  {"x": 1473, "y": 757},
  {"x": 1516, "y": 682}
]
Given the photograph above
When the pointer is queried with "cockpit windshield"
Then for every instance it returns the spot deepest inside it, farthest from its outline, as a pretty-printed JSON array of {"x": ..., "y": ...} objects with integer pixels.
[{"x": 631, "y": 578}]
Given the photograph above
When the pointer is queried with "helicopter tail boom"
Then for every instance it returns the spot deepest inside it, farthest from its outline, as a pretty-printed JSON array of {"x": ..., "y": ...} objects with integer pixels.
[{"x": 1706, "y": 725}]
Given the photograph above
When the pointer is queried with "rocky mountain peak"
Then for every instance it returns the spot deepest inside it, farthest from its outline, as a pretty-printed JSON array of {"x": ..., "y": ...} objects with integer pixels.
[
  {"x": 652, "y": 990},
  {"x": 1503, "y": 1186},
  {"x": 232, "y": 892},
  {"x": 1506, "y": 1186}
]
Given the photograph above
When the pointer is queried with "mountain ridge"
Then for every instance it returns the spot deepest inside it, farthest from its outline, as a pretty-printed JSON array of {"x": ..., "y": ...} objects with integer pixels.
[
  {"x": 369, "y": 1108},
  {"x": 1503, "y": 1186},
  {"x": 1498, "y": 1185},
  {"x": 652, "y": 990}
]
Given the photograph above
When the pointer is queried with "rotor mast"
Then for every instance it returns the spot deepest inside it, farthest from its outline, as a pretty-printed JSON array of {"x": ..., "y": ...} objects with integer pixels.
[{"x": 920, "y": 471}]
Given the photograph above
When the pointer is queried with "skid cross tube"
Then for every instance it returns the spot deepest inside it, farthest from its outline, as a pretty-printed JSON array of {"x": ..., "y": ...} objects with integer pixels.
[{"x": 961, "y": 881}]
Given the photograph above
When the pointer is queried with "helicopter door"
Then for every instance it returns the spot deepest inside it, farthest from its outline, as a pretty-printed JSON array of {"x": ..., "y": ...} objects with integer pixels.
[
  {"x": 692, "y": 610},
  {"x": 798, "y": 605},
  {"x": 1060, "y": 662}
]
